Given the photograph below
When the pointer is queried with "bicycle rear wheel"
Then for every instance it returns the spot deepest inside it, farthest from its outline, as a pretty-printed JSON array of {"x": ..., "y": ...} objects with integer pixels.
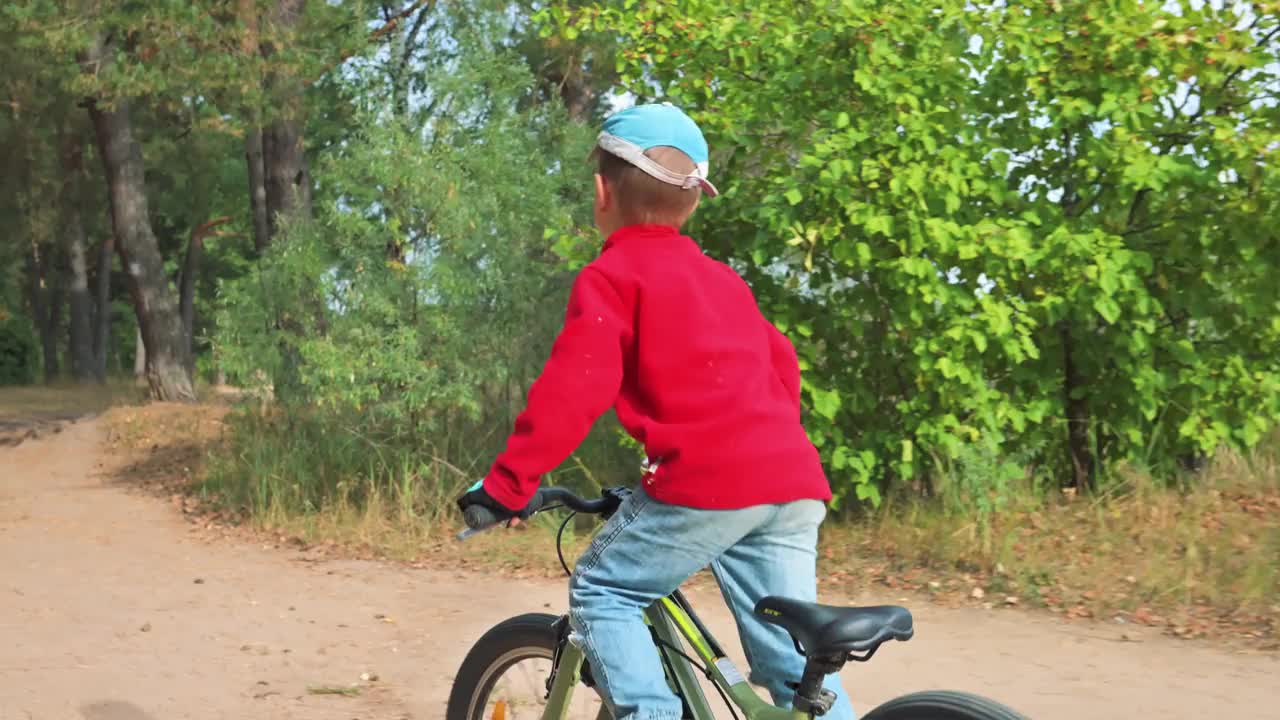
[
  {"x": 942, "y": 705},
  {"x": 504, "y": 675}
]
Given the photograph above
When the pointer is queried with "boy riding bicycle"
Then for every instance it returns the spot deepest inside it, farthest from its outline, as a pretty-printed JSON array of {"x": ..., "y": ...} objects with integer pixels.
[{"x": 675, "y": 343}]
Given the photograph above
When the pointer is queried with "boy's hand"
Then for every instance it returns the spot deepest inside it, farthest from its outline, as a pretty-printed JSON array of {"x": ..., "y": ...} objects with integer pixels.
[{"x": 476, "y": 495}]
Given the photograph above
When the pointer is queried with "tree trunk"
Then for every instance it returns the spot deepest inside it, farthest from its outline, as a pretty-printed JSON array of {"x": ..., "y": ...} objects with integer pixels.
[
  {"x": 288, "y": 179},
  {"x": 44, "y": 301},
  {"x": 81, "y": 342},
  {"x": 257, "y": 189},
  {"x": 102, "y": 315},
  {"x": 139, "y": 355},
  {"x": 248, "y": 13},
  {"x": 82, "y": 360},
  {"x": 187, "y": 288},
  {"x": 579, "y": 99},
  {"x": 187, "y": 296},
  {"x": 52, "y": 328},
  {"x": 1076, "y": 403},
  {"x": 153, "y": 299}
]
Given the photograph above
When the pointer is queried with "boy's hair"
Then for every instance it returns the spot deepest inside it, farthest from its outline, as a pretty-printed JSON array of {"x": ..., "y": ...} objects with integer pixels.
[{"x": 644, "y": 199}]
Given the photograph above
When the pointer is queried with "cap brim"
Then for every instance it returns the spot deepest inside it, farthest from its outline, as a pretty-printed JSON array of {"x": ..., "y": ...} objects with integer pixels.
[{"x": 634, "y": 154}]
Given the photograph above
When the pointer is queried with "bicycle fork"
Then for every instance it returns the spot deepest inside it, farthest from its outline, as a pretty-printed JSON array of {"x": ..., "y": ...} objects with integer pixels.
[{"x": 567, "y": 665}]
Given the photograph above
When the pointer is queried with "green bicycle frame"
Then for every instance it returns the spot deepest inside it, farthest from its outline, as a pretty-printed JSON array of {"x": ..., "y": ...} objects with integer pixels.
[{"x": 670, "y": 622}]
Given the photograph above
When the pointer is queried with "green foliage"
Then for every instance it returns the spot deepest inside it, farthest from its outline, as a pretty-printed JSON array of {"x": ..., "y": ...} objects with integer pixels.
[
  {"x": 18, "y": 350},
  {"x": 421, "y": 280},
  {"x": 411, "y": 315},
  {"x": 977, "y": 221}
]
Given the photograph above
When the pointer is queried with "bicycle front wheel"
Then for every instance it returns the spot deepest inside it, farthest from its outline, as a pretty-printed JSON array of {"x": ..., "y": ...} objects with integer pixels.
[
  {"x": 942, "y": 705},
  {"x": 504, "y": 677}
]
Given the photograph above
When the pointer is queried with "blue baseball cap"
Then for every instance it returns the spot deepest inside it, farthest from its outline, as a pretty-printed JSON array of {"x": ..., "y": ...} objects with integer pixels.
[{"x": 628, "y": 133}]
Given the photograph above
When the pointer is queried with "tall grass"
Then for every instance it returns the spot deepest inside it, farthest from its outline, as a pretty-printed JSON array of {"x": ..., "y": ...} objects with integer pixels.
[
  {"x": 317, "y": 477},
  {"x": 274, "y": 467},
  {"x": 1208, "y": 540},
  {"x": 1141, "y": 546}
]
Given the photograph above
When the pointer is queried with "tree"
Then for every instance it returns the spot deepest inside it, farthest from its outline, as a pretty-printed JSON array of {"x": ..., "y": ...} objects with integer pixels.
[
  {"x": 249, "y": 48},
  {"x": 428, "y": 251},
  {"x": 1028, "y": 231},
  {"x": 102, "y": 305},
  {"x": 285, "y": 170},
  {"x": 575, "y": 69},
  {"x": 154, "y": 301},
  {"x": 75, "y": 247}
]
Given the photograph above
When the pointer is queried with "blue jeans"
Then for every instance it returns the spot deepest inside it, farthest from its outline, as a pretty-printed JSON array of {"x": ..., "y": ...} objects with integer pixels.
[{"x": 648, "y": 549}]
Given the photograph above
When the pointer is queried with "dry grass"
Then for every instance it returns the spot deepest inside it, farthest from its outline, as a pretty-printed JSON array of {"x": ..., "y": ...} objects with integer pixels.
[
  {"x": 186, "y": 453},
  {"x": 29, "y": 411},
  {"x": 65, "y": 399},
  {"x": 1200, "y": 561}
]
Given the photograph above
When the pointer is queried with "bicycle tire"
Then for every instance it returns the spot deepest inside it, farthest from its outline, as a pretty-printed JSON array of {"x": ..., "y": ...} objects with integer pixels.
[
  {"x": 523, "y": 637},
  {"x": 943, "y": 705}
]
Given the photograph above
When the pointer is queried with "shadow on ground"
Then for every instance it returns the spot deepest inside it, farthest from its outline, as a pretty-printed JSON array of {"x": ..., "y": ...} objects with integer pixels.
[
  {"x": 114, "y": 710},
  {"x": 15, "y": 431}
]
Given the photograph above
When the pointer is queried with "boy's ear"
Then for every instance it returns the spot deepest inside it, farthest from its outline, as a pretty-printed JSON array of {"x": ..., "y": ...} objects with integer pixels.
[{"x": 604, "y": 194}]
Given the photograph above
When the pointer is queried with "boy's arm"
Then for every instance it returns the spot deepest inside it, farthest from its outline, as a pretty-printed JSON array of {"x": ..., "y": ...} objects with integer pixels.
[
  {"x": 785, "y": 362},
  {"x": 580, "y": 381}
]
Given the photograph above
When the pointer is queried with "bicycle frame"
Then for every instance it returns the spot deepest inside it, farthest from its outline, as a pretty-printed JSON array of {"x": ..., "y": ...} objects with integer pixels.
[{"x": 672, "y": 620}]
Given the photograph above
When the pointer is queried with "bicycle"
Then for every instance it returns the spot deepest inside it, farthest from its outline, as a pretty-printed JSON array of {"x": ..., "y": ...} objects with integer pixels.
[{"x": 828, "y": 637}]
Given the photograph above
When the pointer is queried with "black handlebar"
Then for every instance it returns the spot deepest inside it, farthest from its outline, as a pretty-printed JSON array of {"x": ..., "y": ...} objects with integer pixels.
[{"x": 480, "y": 518}]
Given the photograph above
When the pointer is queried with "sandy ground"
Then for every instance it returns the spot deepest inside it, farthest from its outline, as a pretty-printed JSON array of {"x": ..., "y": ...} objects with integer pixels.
[{"x": 112, "y": 608}]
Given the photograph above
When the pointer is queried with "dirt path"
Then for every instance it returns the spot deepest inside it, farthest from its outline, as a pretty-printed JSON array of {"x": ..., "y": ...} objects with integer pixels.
[{"x": 111, "y": 609}]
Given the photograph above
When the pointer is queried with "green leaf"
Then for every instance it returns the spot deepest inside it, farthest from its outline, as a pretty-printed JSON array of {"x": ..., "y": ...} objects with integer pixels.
[
  {"x": 826, "y": 403},
  {"x": 979, "y": 341},
  {"x": 793, "y": 196},
  {"x": 864, "y": 253},
  {"x": 867, "y": 492},
  {"x": 1107, "y": 308}
]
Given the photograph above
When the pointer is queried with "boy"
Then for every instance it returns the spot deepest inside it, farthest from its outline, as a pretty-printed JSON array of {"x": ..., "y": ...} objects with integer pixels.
[{"x": 675, "y": 343}]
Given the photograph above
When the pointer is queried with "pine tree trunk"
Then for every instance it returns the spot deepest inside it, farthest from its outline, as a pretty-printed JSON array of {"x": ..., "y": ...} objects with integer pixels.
[
  {"x": 102, "y": 313},
  {"x": 247, "y": 12},
  {"x": 288, "y": 178},
  {"x": 257, "y": 189},
  {"x": 288, "y": 181},
  {"x": 154, "y": 301},
  {"x": 81, "y": 341}
]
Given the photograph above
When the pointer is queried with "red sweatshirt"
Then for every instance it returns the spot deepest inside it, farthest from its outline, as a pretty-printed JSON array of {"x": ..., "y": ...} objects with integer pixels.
[{"x": 675, "y": 342}]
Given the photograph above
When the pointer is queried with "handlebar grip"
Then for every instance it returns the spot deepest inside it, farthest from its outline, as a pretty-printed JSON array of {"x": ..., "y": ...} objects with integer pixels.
[{"x": 479, "y": 517}]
